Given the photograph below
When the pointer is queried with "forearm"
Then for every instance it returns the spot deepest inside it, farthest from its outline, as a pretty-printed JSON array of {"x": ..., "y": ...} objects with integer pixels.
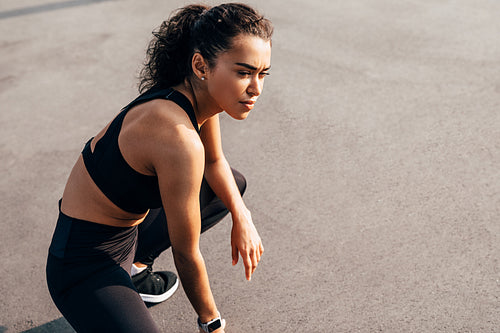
[
  {"x": 220, "y": 178},
  {"x": 194, "y": 278}
]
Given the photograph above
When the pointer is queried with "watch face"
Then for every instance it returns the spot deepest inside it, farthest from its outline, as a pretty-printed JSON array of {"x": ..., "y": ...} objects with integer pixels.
[{"x": 215, "y": 325}]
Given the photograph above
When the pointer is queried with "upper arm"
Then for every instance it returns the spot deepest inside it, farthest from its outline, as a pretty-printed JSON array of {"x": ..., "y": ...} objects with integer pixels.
[
  {"x": 178, "y": 161},
  {"x": 211, "y": 138}
]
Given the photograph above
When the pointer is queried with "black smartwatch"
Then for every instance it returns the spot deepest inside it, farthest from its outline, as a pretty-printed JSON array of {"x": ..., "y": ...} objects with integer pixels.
[{"x": 210, "y": 326}]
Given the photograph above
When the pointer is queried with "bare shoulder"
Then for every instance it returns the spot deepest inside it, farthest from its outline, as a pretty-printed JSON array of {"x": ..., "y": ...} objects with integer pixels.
[
  {"x": 161, "y": 131},
  {"x": 171, "y": 122}
]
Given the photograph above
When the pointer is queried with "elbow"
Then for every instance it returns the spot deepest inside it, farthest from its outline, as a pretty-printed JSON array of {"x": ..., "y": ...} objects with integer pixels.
[
  {"x": 186, "y": 257},
  {"x": 213, "y": 161}
]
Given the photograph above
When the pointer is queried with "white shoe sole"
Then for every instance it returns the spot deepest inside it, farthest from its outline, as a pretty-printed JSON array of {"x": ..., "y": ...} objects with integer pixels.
[{"x": 162, "y": 297}]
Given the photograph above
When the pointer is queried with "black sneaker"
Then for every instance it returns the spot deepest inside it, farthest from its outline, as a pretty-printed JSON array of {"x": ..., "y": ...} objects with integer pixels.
[{"x": 155, "y": 287}]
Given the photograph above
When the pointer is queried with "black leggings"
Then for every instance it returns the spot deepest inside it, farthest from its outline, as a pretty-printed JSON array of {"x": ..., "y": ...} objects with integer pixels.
[{"x": 88, "y": 266}]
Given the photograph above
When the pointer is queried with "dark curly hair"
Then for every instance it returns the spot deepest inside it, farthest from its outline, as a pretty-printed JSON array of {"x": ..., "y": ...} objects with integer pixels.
[{"x": 197, "y": 28}]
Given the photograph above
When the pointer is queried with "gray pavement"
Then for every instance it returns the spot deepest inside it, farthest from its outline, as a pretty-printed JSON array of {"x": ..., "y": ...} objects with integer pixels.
[{"x": 372, "y": 160}]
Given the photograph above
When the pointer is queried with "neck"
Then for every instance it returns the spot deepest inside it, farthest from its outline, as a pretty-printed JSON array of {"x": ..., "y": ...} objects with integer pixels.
[{"x": 203, "y": 105}]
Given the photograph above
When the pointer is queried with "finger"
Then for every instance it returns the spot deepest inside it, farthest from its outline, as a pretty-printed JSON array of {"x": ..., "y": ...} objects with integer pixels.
[
  {"x": 259, "y": 253},
  {"x": 255, "y": 259},
  {"x": 248, "y": 267},
  {"x": 234, "y": 254},
  {"x": 254, "y": 267}
]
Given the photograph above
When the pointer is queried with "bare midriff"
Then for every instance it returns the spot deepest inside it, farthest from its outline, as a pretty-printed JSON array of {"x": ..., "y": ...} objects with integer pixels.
[{"x": 82, "y": 199}]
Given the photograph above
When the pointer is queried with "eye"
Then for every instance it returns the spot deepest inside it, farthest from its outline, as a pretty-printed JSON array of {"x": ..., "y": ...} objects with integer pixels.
[
  {"x": 264, "y": 74},
  {"x": 244, "y": 73}
]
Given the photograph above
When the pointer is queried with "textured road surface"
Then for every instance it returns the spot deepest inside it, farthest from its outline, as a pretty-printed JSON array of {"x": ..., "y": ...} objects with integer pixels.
[{"x": 372, "y": 159}]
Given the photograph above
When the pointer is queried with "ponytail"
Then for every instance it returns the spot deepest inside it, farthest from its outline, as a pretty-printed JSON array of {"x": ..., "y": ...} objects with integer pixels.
[
  {"x": 197, "y": 28},
  {"x": 169, "y": 51}
]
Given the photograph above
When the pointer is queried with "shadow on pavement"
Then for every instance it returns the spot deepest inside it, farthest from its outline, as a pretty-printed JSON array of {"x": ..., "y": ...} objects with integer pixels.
[
  {"x": 59, "y": 325},
  {"x": 44, "y": 8}
]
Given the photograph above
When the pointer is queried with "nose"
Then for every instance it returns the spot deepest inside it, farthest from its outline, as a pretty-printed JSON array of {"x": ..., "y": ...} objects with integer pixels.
[{"x": 255, "y": 86}]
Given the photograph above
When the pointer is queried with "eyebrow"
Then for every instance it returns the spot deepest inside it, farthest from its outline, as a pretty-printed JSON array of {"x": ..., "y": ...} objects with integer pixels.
[{"x": 250, "y": 66}]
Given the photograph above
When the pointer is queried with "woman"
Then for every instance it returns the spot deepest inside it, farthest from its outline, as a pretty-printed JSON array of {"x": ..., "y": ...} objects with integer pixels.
[{"x": 156, "y": 177}]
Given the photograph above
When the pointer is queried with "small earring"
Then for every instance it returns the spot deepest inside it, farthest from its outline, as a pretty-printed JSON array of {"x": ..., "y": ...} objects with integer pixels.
[{"x": 203, "y": 78}]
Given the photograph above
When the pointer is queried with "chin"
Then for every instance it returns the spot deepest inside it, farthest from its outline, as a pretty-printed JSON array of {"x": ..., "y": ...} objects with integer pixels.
[
  {"x": 238, "y": 116},
  {"x": 242, "y": 116}
]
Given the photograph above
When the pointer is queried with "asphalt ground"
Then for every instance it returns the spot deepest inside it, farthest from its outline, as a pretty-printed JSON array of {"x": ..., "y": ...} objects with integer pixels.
[{"x": 372, "y": 160}]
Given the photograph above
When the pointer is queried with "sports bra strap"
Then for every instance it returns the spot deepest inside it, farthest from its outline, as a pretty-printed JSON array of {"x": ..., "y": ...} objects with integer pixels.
[
  {"x": 127, "y": 188},
  {"x": 184, "y": 103},
  {"x": 114, "y": 128},
  {"x": 169, "y": 94}
]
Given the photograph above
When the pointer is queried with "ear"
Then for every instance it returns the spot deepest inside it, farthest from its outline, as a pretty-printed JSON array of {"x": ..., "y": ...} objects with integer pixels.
[{"x": 199, "y": 65}]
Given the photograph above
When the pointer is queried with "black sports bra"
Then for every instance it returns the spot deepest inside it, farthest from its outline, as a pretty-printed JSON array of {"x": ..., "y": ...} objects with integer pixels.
[{"x": 130, "y": 190}]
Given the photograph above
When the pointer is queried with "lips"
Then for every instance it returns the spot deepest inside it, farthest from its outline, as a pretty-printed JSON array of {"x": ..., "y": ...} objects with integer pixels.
[{"x": 248, "y": 104}]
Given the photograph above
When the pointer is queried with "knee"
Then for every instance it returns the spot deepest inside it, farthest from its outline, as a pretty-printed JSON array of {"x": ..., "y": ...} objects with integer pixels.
[{"x": 241, "y": 182}]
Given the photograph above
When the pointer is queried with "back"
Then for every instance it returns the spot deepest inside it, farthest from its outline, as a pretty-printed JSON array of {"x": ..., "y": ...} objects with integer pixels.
[{"x": 117, "y": 182}]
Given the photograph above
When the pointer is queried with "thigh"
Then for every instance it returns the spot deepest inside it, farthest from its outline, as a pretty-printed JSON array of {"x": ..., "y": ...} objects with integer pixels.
[
  {"x": 107, "y": 302},
  {"x": 212, "y": 208},
  {"x": 152, "y": 237},
  {"x": 207, "y": 195}
]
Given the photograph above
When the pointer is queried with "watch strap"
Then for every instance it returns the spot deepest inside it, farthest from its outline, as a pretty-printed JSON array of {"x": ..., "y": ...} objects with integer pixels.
[{"x": 210, "y": 326}]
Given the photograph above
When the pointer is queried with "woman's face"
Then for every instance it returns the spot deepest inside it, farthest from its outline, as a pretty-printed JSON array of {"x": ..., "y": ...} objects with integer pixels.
[{"x": 237, "y": 79}]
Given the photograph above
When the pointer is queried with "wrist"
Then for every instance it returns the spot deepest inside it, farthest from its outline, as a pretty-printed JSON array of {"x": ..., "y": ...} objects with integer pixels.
[
  {"x": 240, "y": 214},
  {"x": 206, "y": 317},
  {"x": 236, "y": 204},
  {"x": 210, "y": 325}
]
